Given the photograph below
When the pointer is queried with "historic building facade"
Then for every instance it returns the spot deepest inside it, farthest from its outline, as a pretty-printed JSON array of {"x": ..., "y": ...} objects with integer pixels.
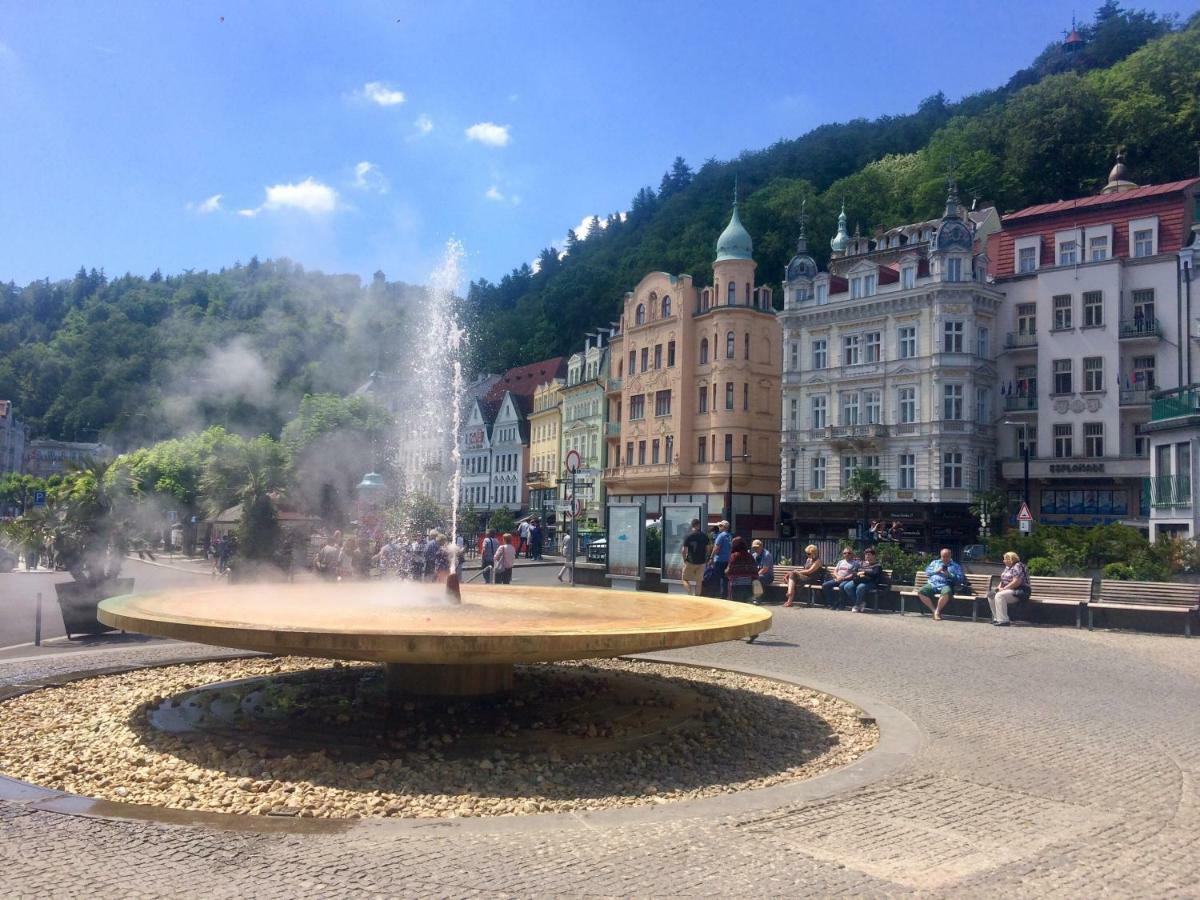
[
  {"x": 1094, "y": 317},
  {"x": 583, "y": 423},
  {"x": 545, "y": 442},
  {"x": 12, "y": 439},
  {"x": 693, "y": 392},
  {"x": 889, "y": 365}
]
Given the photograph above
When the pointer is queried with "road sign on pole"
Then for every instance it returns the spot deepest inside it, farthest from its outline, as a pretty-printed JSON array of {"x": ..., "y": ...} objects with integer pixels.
[
  {"x": 39, "y": 498},
  {"x": 574, "y": 461},
  {"x": 1026, "y": 526},
  {"x": 1024, "y": 515}
]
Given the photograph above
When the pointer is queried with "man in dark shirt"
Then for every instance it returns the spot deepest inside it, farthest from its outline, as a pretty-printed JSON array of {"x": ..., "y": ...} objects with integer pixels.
[{"x": 695, "y": 554}]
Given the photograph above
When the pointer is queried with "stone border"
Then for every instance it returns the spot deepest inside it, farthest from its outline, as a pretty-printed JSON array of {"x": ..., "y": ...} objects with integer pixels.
[{"x": 900, "y": 739}]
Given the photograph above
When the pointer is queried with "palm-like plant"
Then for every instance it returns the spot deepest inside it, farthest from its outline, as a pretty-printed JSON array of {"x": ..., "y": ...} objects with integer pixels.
[
  {"x": 252, "y": 472},
  {"x": 88, "y": 532},
  {"x": 865, "y": 485}
]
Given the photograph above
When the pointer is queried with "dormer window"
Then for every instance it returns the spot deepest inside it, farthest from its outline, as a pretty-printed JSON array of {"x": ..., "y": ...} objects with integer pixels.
[
  {"x": 856, "y": 288},
  {"x": 954, "y": 269},
  {"x": 822, "y": 294},
  {"x": 908, "y": 276},
  {"x": 1068, "y": 253},
  {"x": 868, "y": 285}
]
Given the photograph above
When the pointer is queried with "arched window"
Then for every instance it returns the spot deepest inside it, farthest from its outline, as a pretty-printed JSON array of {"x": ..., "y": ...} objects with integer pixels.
[
  {"x": 640, "y": 317},
  {"x": 747, "y": 346},
  {"x": 704, "y": 300},
  {"x": 732, "y": 301},
  {"x": 729, "y": 348},
  {"x": 703, "y": 351},
  {"x": 666, "y": 307}
]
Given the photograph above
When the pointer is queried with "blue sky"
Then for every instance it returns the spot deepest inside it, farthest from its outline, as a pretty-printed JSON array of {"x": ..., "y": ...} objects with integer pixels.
[{"x": 361, "y": 136}]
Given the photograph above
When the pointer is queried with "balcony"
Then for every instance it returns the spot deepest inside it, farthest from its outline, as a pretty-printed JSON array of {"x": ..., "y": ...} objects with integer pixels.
[
  {"x": 1021, "y": 403},
  {"x": 1139, "y": 328},
  {"x": 613, "y": 386},
  {"x": 612, "y": 429},
  {"x": 1019, "y": 340},
  {"x": 844, "y": 435},
  {"x": 1170, "y": 491},
  {"x": 1175, "y": 403},
  {"x": 1136, "y": 396}
]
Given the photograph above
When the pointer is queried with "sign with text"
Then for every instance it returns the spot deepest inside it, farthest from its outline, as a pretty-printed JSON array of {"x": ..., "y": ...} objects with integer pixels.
[
  {"x": 627, "y": 540},
  {"x": 676, "y": 522}
]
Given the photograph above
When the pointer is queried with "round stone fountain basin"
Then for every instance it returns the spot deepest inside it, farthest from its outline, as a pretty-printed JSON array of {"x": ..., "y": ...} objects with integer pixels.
[{"x": 436, "y": 645}]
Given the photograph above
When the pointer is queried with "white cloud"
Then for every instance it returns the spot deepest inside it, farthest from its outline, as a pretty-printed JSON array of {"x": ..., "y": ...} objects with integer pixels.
[
  {"x": 489, "y": 133},
  {"x": 367, "y": 177},
  {"x": 424, "y": 125},
  {"x": 381, "y": 95},
  {"x": 204, "y": 207},
  {"x": 493, "y": 193},
  {"x": 308, "y": 196}
]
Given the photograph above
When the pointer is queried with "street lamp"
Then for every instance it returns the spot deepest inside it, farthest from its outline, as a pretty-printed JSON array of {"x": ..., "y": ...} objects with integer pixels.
[{"x": 745, "y": 457}]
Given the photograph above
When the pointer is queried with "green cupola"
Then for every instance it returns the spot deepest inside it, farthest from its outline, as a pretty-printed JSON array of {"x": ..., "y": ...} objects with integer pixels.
[
  {"x": 734, "y": 242},
  {"x": 841, "y": 240}
]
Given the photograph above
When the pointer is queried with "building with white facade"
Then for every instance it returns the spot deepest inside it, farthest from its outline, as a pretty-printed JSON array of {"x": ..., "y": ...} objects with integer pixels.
[
  {"x": 889, "y": 365},
  {"x": 45, "y": 457},
  {"x": 1092, "y": 325},
  {"x": 12, "y": 439},
  {"x": 584, "y": 424}
]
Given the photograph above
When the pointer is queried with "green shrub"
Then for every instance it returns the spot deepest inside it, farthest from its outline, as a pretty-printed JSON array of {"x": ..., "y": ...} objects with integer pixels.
[
  {"x": 1118, "y": 572},
  {"x": 1147, "y": 567},
  {"x": 903, "y": 564},
  {"x": 1026, "y": 546},
  {"x": 654, "y": 547},
  {"x": 1040, "y": 565}
]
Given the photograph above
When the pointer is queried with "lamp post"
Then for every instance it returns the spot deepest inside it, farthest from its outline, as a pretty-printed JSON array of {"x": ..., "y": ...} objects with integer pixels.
[{"x": 745, "y": 457}]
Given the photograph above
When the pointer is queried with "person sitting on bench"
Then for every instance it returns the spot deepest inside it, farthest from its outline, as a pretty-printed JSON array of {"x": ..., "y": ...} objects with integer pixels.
[
  {"x": 944, "y": 576},
  {"x": 864, "y": 580},
  {"x": 843, "y": 572}
]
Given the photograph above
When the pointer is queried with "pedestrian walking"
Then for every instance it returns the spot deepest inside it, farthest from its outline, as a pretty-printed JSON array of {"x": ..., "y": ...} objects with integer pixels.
[
  {"x": 523, "y": 538},
  {"x": 694, "y": 551},
  {"x": 506, "y": 559},
  {"x": 487, "y": 555},
  {"x": 564, "y": 574}
]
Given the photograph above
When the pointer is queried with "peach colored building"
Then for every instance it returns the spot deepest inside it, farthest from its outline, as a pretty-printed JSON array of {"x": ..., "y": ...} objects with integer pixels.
[{"x": 694, "y": 392}]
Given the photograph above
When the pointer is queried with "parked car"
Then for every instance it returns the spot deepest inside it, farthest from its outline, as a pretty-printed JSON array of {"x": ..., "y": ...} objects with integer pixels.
[
  {"x": 8, "y": 560},
  {"x": 597, "y": 550}
]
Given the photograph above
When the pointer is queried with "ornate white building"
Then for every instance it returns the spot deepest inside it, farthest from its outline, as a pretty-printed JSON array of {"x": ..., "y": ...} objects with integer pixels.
[{"x": 889, "y": 364}]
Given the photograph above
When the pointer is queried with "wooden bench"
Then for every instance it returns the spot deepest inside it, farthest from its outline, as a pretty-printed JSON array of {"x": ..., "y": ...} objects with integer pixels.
[
  {"x": 1050, "y": 590},
  {"x": 814, "y": 590},
  {"x": 977, "y": 583},
  {"x": 1148, "y": 596}
]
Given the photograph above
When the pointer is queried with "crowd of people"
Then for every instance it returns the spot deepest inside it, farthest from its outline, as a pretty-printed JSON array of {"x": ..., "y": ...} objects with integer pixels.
[{"x": 350, "y": 557}]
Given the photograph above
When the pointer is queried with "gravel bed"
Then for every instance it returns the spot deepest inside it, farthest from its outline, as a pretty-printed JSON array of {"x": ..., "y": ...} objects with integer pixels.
[{"x": 583, "y": 736}]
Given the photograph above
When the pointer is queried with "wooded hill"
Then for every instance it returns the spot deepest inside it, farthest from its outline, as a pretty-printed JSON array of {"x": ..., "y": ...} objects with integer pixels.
[{"x": 1049, "y": 134}]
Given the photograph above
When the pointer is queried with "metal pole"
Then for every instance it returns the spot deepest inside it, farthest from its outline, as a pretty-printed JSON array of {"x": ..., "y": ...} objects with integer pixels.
[
  {"x": 1025, "y": 455},
  {"x": 37, "y": 622},
  {"x": 574, "y": 524}
]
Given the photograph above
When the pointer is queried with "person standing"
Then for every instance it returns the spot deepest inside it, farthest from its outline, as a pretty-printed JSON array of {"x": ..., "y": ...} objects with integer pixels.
[
  {"x": 523, "y": 539},
  {"x": 487, "y": 555},
  {"x": 536, "y": 536},
  {"x": 564, "y": 573},
  {"x": 506, "y": 558},
  {"x": 944, "y": 575},
  {"x": 831, "y": 590},
  {"x": 1014, "y": 587},
  {"x": 694, "y": 551},
  {"x": 766, "y": 564},
  {"x": 722, "y": 549}
]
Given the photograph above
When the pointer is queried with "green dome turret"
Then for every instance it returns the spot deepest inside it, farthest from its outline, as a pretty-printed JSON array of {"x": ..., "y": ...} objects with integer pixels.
[
  {"x": 841, "y": 240},
  {"x": 734, "y": 242}
]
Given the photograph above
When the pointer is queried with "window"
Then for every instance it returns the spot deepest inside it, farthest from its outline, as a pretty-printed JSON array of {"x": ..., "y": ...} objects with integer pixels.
[
  {"x": 952, "y": 337},
  {"x": 1067, "y": 253},
  {"x": 982, "y": 412},
  {"x": 908, "y": 341},
  {"x": 868, "y": 285},
  {"x": 822, "y": 294},
  {"x": 1098, "y": 249},
  {"x": 818, "y": 473},
  {"x": 1026, "y": 318},
  {"x": 1026, "y": 385},
  {"x": 670, "y": 353},
  {"x": 662, "y": 403},
  {"x": 872, "y": 406},
  {"x": 851, "y": 350},
  {"x": 982, "y": 342},
  {"x": 850, "y": 408},
  {"x": 1093, "y": 373},
  {"x": 640, "y": 316},
  {"x": 746, "y": 347},
  {"x": 645, "y": 358},
  {"x": 1026, "y": 437},
  {"x": 849, "y": 464},
  {"x": 856, "y": 288},
  {"x": 641, "y": 453},
  {"x": 952, "y": 402},
  {"x": 873, "y": 347},
  {"x": 1027, "y": 259},
  {"x": 1093, "y": 439},
  {"x": 1093, "y": 309},
  {"x": 820, "y": 354},
  {"x": 981, "y": 467},
  {"x": 731, "y": 295},
  {"x": 745, "y": 445},
  {"x": 908, "y": 276},
  {"x": 666, "y": 307},
  {"x": 954, "y": 269},
  {"x": 704, "y": 351},
  {"x": 1062, "y": 376},
  {"x": 702, "y": 450},
  {"x": 637, "y": 407},
  {"x": 906, "y": 402},
  {"x": 820, "y": 411},
  {"x": 632, "y": 363},
  {"x": 1143, "y": 311},
  {"x": 629, "y": 453},
  {"x": 794, "y": 413},
  {"x": 791, "y": 479},
  {"x": 728, "y": 447},
  {"x": 907, "y": 470},
  {"x": 729, "y": 395},
  {"x": 658, "y": 356},
  {"x": 729, "y": 340},
  {"x": 793, "y": 356},
  {"x": 746, "y": 397},
  {"x": 1063, "y": 435},
  {"x": 1062, "y": 312},
  {"x": 952, "y": 466},
  {"x": 1143, "y": 372},
  {"x": 654, "y": 448},
  {"x": 702, "y": 397},
  {"x": 1143, "y": 242}
]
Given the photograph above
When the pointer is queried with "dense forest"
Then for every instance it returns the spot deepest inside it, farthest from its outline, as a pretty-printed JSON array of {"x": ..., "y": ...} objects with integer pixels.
[
  {"x": 1050, "y": 133},
  {"x": 133, "y": 359}
]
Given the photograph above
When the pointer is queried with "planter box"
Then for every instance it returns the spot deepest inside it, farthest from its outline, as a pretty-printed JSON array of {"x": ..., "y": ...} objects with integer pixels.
[{"x": 78, "y": 603}]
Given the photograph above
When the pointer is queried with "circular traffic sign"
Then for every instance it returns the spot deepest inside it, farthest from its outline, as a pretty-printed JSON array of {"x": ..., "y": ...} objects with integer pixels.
[{"x": 574, "y": 460}]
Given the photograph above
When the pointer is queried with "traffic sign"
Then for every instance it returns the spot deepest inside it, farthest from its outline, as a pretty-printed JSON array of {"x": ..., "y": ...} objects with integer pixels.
[
  {"x": 39, "y": 498},
  {"x": 1024, "y": 515},
  {"x": 574, "y": 460},
  {"x": 1026, "y": 526}
]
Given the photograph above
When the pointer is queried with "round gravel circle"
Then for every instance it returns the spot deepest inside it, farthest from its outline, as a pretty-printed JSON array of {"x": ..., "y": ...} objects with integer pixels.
[{"x": 314, "y": 738}]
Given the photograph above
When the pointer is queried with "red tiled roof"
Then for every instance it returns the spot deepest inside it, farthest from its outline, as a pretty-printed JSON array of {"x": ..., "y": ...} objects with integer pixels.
[
  {"x": 523, "y": 380},
  {"x": 1141, "y": 193}
]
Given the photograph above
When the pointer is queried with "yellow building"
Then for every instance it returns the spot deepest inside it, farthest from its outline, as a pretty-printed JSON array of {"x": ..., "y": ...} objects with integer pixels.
[
  {"x": 545, "y": 465},
  {"x": 694, "y": 392}
]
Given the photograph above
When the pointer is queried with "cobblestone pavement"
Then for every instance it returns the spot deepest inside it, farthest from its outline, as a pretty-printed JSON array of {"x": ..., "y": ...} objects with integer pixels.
[{"x": 1057, "y": 762}]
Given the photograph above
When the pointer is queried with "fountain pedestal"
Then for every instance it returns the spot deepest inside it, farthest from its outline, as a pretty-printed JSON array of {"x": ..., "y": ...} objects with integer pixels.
[{"x": 447, "y": 680}]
